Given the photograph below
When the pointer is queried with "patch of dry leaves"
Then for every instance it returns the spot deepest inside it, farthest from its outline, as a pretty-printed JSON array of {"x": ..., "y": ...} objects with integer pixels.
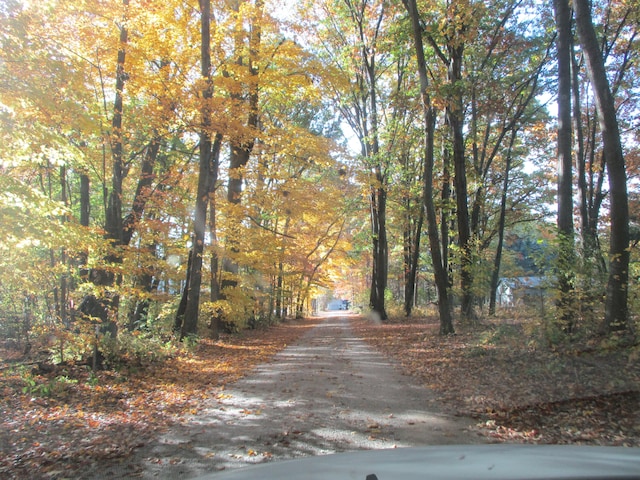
[
  {"x": 69, "y": 420},
  {"x": 517, "y": 390}
]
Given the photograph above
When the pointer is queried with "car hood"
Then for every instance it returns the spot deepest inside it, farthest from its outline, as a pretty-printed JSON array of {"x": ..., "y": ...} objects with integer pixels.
[{"x": 515, "y": 462}]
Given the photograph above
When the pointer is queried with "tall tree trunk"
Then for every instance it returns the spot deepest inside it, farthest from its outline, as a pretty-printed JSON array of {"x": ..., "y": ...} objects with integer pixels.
[
  {"x": 378, "y": 199},
  {"x": 279, "y": 290},
  {"x": 446, "y": 223},
  {"x": 589, "y": 186},
  {"x": 596, "y": 168},
  {"x": 241, "y": 149},
  {"x": 407, "y": 254},
  {"x": 143, "y": 189},
  {"x": 440, "y": 273},
  {"x": 616, "y": 308},
  {"x": 280, "y": 280},
  {"x": 412, "y": 257},
  {"x": 566, "y": 260},
  {"x": 114, "y": 224},
  {"x": 455, "y": 118},
  {"x": 106, "y": 308},
  {"x": 182, "y": 306},
  {"x": 215, "y": 323},
  {"x": 63, "y": 252},
  {"x": 85, "y": 218},
  {"x": 579, "y": 153},
  {"x": 495, "y": 273},
  {"x": 85, "y": 199},
  {"x": 194, "y": 282}
]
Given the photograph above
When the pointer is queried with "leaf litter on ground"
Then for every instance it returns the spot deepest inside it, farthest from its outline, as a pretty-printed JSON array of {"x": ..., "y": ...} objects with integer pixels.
[
  {"x": 517, "y": 391},
  {"x": 67, "y": 419},
  {"x": 516, "y": 388}
]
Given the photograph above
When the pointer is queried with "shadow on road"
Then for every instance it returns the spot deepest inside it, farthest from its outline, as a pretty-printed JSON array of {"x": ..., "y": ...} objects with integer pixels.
[{"x": 330, "y": 392}]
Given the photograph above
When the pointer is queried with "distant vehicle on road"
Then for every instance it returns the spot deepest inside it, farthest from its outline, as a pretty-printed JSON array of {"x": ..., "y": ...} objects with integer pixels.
[{"x": 338, "y": 304}]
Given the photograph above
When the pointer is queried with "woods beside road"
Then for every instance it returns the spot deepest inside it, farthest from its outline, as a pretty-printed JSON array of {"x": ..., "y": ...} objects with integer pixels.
[
  {"x": 179, "y": 181},
  {"x": 518, "y": 387},
  {"x": 67, "y": 421}
]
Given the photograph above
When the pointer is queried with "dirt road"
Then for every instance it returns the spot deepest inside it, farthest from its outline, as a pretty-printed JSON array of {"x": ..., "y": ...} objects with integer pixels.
[{"x": 328, "y": 393}]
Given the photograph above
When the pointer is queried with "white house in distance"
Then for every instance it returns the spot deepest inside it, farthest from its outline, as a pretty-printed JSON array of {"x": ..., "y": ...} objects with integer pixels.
[{"x": 520, "y": 291}]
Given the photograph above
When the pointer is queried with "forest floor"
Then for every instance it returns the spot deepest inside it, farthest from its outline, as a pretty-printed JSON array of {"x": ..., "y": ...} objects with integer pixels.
[
  {"x": 64, "y": 422},
  {"x": 516, "y": 387}
]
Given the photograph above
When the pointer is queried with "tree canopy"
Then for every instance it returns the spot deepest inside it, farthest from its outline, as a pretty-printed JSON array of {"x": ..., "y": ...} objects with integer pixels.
[{"x": 206, "y": 166}]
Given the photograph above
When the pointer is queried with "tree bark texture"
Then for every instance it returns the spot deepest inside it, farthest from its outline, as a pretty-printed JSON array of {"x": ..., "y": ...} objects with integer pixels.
[
  {"x": 378, "y": 200},
  {"x": 455, "y": 118},
  {"x": 215, "y": 324},
  {"x": 194, "y": 282},
  {"x": 616, "y": 308},
  {"x": 378, "y": 197},
  {"x": 412, "y": 234},
  {"x": 566, "y": 257},
  {"x": 440, "y": 273}
]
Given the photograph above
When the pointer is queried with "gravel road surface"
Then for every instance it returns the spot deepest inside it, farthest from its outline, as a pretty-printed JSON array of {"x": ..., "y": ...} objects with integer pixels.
[{"x": 330, "y": 392}]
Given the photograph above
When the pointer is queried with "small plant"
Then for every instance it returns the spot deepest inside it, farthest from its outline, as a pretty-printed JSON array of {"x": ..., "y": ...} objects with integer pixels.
[
  {"x": 190, "y": 342},
  {"x": 70, "y": 347},
  {"x": 135, "y": 348},
  {"x": 477, "y": 351},
  {"x": 65, "y": 380},
  {"x": 500, "y": 334},
  {"x": 30, "y": 384},
  {"x": 93, "y": 380},
  {"x": 33, "y": 387}
]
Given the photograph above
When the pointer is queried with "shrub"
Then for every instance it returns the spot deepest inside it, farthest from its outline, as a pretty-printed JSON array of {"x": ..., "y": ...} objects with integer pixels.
[{"x": 137, "y": 348}]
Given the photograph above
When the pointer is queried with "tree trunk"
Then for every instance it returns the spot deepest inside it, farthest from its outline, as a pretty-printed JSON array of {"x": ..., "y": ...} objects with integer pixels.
[
  {"x": 279, "y": 291},
  {"x": 143, "y": 189},
  {"x": 407, "y": 256},
  {"x": 241, "y": 149},
  {"x": 455, "y": 118},
  {"x": 589, "y": 186},
  {"x": 495, "y": 273},
  {"x": 190, "y": 321},
  {"x": 616, "y": 308},
  {"x": 85, "y": 214},
  {"x": 412, "y": 257},
  {"x": 566, "y": 257},
  {"x": 85, "y": 200},
  {"x": 446, "y": 223},
  {"x": 579, "y": 153},
  {"x": 63, "y": 252},
  {"x": 378, "y": 199},
  {"x": 106, "y": 308},
  {"x": 182, "y": 306},
  {"x": 440, "y": 273},
  {"x": 215, "y": 323},
  {"x": 114, "y": 224}
]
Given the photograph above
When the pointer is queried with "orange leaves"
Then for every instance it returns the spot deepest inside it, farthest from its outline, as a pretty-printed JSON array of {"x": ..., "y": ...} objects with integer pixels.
[
  {"x": 91, "y": 423},
  {"x": 250, "y": 412}
]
